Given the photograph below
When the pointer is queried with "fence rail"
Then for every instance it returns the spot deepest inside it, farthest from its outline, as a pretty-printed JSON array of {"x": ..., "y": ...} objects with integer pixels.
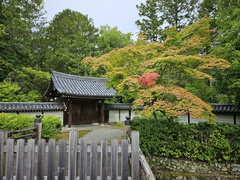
[
  {"x": 32, "y": 134},
  {"x": 75, "y": 160}
]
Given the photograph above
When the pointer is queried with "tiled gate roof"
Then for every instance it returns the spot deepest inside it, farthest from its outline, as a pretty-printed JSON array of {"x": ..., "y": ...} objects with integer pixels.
[{"x": 68, "y": 85}]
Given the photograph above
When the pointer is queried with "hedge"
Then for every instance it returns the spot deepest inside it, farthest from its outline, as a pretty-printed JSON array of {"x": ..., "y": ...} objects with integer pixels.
[
  {"x": 218, "y": 142},
  {"x": 51, "y": 125}
]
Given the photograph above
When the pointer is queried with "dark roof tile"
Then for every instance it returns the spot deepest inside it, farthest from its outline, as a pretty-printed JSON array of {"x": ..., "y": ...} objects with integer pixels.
[
  {"x": 31, "y": 106},
  {"x": 217, "y": 108},
  {"x": 73, "y": 85},
  {"x": 224, "y": 108}
]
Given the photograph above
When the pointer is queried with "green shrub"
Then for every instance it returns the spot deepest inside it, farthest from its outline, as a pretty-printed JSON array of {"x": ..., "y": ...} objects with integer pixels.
[
  {"x": 51, "y": 126},
  {"x": 202, "y": 141},
  {"x": 11, "y": 122}
]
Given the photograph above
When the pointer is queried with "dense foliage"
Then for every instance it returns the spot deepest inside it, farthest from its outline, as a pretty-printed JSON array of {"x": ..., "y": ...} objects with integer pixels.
[
  {"x": 50, "y": 125},
  {"x": 203, "y": 142},
  {"x": 157, "y": 14},
  {"x": 157, "y": 75},
  {"x": 30, "y": 47}
]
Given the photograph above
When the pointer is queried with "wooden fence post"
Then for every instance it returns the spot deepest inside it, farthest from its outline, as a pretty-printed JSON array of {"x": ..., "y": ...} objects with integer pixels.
[
  {"x": 104, "y": 159},
  {"x": 93, "y": 160},
  {"x": 30, "y": 159},
  {"x": 9, "y": 159},
  {"x": 83, "y": 159},
  {"x": 135, "y": 155},
  {"x": 124, "y": 164},
  {"x": 51, "y": 159},
  {"x": 20, "y": 159},
  {"x": 62, "y": 159},
  {"x": 3, "y": 139},
  {"x": 41, "y": 159},
  {"x": 72, "y": 160},
  {"x": 114, "y": 159}
]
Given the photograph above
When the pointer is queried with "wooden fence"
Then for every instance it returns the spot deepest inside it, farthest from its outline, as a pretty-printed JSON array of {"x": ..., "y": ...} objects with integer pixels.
[
  {"x": 75, "y": 160},
  {"x": 34, "y": 132}
]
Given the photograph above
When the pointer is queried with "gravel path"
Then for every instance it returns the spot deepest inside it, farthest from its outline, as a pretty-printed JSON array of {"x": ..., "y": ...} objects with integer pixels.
[{"x": 106, "y": 132}]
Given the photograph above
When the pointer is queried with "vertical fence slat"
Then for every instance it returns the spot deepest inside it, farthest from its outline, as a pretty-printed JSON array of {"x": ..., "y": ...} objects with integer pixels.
[
  {"x": 2, "y": 141},
  {"x": 30, "y": 159},
  {"x": 20, "y": 158},
  {"x": 9, "y": 158},
  {"x": 72, "y": 163},
  {"x": 93, "y": 160},
  {"x": 51, "y": 159},
  {"x": 114, "y": 159},
  {"x": 124, "y": 157},
  {"x": 104, "y": 159},
  {"x": 62, "y": 159},
  {"x": 135, "y": 155},
  {"x": 83, "y": 159},
  {"x": 41, "y": 159}
]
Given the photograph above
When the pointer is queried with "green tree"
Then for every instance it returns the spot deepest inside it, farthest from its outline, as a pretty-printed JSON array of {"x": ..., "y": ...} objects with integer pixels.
[
  {"x": 151, "y": 24},
  {"x": 17, "y": 22},
  {"x": 155, "y": 74},
  {"x": 25, "y": 85},
  {"x": 225, "y": 20},
  {"x": 32, "y": 83},
  {"x": 164, "y": 13},
  {"x": 9, "y": 91},
  {"x": 110, "y": 38},
  {"x": 71, "y": 36}
]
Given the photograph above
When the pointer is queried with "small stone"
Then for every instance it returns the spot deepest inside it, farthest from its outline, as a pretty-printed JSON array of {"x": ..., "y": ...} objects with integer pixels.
[
  {"x": 235, "y": 169},
  {"x": 179, "y": 177},
  {"x": 224, "y": 169}
]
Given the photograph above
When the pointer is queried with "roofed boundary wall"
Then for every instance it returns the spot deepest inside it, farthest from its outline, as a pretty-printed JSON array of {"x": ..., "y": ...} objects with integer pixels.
[
  {"x": 117, "y": 111},
  {"x": 34, "y": 108}
]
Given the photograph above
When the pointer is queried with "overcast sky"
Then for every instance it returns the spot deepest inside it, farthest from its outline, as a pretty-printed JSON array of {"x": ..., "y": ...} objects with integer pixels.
[{"x": 120, "y": 13}]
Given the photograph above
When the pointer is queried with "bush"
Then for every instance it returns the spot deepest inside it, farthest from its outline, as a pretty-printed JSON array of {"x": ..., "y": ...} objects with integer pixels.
[
  {"x": 202, "y": 141},
  {"x": 51, "y": 126},
  {"x": 11, "y": 122}
]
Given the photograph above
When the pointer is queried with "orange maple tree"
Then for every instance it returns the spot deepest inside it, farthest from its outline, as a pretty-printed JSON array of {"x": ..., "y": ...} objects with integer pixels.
[{"x": 153, "y": 74}]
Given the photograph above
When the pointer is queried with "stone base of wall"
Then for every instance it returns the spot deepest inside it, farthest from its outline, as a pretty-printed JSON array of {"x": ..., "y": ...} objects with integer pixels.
[{"x": 185, "y": 166}]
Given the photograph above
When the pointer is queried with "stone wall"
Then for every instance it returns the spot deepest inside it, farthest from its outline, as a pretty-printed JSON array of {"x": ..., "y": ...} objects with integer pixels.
[{"x": 174, "y": 165}]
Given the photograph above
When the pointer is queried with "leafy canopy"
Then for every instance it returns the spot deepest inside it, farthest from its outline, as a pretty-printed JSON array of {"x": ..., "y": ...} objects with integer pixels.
[{"x": 154, "y": 74}]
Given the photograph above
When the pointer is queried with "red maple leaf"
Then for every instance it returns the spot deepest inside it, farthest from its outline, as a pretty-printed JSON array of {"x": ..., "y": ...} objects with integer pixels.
[{"x": 148, "y": 79}]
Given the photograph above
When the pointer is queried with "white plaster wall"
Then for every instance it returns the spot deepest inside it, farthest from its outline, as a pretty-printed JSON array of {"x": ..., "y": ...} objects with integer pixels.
[
  {"x": 119, "y": 116},
  {"x": 55, "y": 113},
  {"x": 30, "y": 113},
  {"x": 228, "y": 118},
  {"x": 123, "y": 115},
  {"x": 113, "y": 116}
]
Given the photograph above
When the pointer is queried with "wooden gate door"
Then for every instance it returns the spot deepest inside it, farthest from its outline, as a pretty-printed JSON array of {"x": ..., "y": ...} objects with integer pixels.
[{"x": 84, "y": 112}]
